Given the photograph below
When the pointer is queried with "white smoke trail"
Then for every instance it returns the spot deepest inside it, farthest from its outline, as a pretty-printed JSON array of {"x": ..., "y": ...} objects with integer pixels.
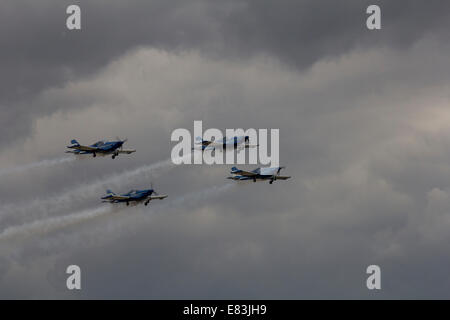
[
  {"x": 63, "y": 201},
  {"x": 47, "y": 225},
  {"x": 38, "y": 164}
]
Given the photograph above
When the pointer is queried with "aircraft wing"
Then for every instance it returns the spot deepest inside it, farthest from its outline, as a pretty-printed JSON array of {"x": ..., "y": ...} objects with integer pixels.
[
  {"x": 247, "y": 146},
  {"x": 159, "y": 197},
  {"x": 126, "y": 151},
  {"x": 203, "y": 147},
  {"x": 282, "y": 177}
]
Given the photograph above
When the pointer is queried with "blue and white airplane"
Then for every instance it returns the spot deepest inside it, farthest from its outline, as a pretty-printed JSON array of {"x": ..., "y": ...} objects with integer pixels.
[
  {"x": 239, "y": 142},
  {"x": 136, "y": 196},
  {"x": 270, "y": 174},
  {"x": 102, "y": 148}
]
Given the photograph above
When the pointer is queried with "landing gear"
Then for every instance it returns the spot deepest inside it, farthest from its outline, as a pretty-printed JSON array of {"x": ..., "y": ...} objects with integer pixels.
[
  {"x": 254, "y": 179},
  {"x": 271, "y": 181},
  {"x": 113, "y": 157},
  {"x": 128, "y": 203},
  {"x": 146, "y": 203},
  {"x": 94, "y": 155}
]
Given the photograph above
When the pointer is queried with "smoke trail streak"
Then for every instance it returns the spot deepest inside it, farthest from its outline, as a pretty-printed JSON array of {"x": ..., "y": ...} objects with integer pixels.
[
  {"x": 63, "y": 201},
  {"x": 47, "y": 225},
  {"x": 38, "y": 164}
]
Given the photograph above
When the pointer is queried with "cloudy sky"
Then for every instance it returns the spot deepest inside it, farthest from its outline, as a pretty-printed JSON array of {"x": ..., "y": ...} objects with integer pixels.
[{"x": 364, "y": 119}]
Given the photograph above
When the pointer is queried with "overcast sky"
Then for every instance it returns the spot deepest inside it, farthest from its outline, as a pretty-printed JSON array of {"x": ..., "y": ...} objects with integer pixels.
[{"x": 364, "y": 120}]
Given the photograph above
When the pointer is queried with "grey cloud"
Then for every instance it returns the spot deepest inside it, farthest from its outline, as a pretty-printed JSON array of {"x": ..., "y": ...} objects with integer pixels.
[
  {"x": 38, "y": 52},
  {"x": 362, "y": 128},
  {"x": 346, "y": 207}
]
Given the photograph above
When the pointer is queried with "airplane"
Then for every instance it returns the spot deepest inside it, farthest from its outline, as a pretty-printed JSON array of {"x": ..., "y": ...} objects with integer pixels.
[
  {"x": 101, "y": 148},
  {"x": 239, "y": 142},
  {"x": 270, "y": 174},
  {"x": 133, "y": 196}
]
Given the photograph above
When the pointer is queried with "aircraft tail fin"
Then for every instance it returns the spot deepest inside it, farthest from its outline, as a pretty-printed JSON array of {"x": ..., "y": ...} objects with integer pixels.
[
  {"x": 109, "y": 195},
  {"x": 199, "y": 140},
  {"x": 234, "y": 169},
  {"x": 73, "y": 141}
]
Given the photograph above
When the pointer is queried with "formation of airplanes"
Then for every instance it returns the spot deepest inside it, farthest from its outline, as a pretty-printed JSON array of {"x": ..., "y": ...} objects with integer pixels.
[{"x": 114, "y": 148}]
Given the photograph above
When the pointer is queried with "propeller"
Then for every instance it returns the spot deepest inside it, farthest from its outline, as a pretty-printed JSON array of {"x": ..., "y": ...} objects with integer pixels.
[
  {"x": 154, "y": 191},
  {"x": 123, "y": 141}
]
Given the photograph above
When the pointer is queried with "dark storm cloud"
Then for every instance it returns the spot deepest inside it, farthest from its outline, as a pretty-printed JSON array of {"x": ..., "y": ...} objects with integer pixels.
[
  {"x": 39, "y": 52},
  {"x": 351, "y": 135},
  {"x": 362, "y": 116},
  {"x": 303, "y": 32}
]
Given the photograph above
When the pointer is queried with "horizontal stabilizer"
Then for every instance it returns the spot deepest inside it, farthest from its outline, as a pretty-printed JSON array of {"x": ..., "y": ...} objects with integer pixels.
[
  {"x": 238, "y": 178},
  {"x": 235, "y": 170}
]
